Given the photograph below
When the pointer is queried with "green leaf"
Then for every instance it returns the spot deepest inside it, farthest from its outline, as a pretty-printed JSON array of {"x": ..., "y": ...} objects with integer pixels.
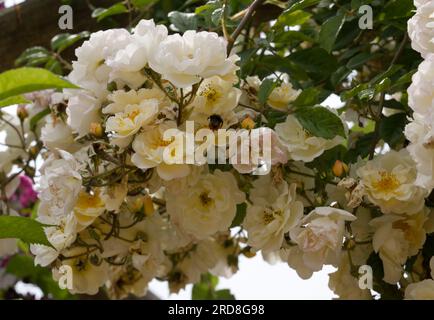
[
  {"x": 299, "y": 5},
  {"x": 267, "y": 86},
  {"x": 206, "y": 289},
  {"x": 360, "y": 59},
  {"x": 101, "y": 13},
  {"x": 224, "y": 294},
  {"x": 33, "y": 56},
  {"x": 182, "y": 21},
  {"x": 13, "y": 100},
  {"x": 308, "y": 97},
  {"x": 62, "y": 41},
  {"x": 240, "y": 215},
  {"x": 320, "y": 122},
  {"x": 25, "y": 229},
  {"x": 391, "y": 129},
  {"x": 38, "y": 117},
  {"x": 143, "y": 3},
  {"x": 316, "y": 61},
  {"x": 23, "y": 80},
  {"x": 398, "y": 9},
  {"x": 330, "y": 30},
  {"x": 294, "y": 18}
]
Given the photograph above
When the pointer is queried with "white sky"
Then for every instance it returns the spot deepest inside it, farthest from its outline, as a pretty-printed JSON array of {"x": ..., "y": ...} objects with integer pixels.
[{"x": 258, "y": 280}]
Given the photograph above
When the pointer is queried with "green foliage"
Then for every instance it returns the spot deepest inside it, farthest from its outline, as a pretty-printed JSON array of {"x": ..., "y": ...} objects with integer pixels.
[
  {"x": 320, "y": 122},
  {"x": 27, "y": 230},
  {"x": 63, "y": 41},
  {"x": 116, "y": 9},
  {"x": 23, "y": 267},
  {"x": 13, "y": 100},
  {"x": 23, "y": 80},
  {"x": 240, "y": 215},
  {"x": 206, "y": 289}
]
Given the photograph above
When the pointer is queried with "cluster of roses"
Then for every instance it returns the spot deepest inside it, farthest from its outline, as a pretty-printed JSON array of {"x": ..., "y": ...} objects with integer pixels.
[{"x": 120, "y": 213}]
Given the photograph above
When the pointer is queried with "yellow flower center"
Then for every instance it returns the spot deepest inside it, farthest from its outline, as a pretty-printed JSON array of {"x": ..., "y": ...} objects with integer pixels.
[
  {"x": 86, "y": 200},
  {"x": 211, "y": 94},
  {"x": 269, "y": 217},
  {"x": 133, "y": 114},
  {"x": 387, "y": 182},
  {"x": 205, "y": 200}
]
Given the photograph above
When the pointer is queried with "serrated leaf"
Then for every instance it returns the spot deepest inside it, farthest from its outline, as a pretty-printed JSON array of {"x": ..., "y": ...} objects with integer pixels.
[
  {"x": 330, "y": 30},
  {"x": 23, "y": 80},
  {"x": 320, "y": 122},
  {"x": 25, "y": 229}
]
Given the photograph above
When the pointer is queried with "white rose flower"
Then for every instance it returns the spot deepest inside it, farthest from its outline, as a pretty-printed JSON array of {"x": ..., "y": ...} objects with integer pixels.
[
  {"x": 87, "y": 208},
  {"x": 396, "y": 238},
  {"x": 114, "y": 195},
  {"x": 152, "y": 151},
  {"x": 145, "y": 39},
  {"x": 389, "y": 180},
  {"x": 83, "y": 110},
  {"x": 275, "y": 210},
  {"x": 423, "y": 290},
  {"x": 185, "y": 59},
  {"x": 421, "y": 135},
  {"x": 420, "y": 93},
  {"x": 199, "y": 260},
  {"x": 90, "y": 71},
  {"x": 61, "y": 236},
  {"x": 216, "y": 96},
  {"x": 320, "y": 236},
  {"x": 301, "y": 145},
  {"x": 86, "y": 277},
  {"x": 206, "y": 207},
  {"x": 136, "y": 114},
  {"x": 60, "y": 183},
  {"x": 280, "y": 97},
  {"x": 56, "y": 134},
  {"x": 264, "y": 150},
  {"x": 345, "y": 285},
  {"x": 421, "y": 28}
]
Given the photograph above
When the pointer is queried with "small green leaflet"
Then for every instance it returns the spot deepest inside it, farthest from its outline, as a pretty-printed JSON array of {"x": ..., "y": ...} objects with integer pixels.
[{"x": 25, "y": 229}]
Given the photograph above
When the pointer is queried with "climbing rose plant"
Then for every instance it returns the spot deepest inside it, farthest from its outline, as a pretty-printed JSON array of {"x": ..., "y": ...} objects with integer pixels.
[{"x": 340, "y": 153}]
